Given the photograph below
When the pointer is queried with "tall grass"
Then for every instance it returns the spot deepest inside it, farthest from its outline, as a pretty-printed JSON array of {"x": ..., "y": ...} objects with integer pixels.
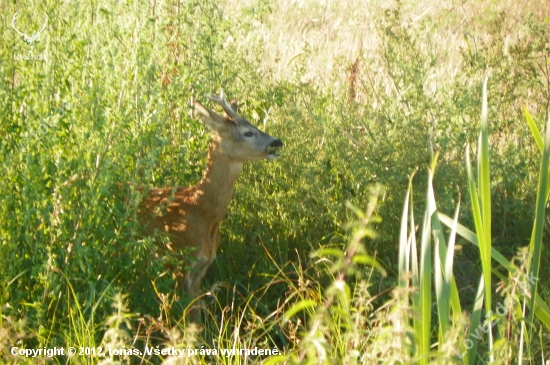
[{"x": 364, "y": 95}]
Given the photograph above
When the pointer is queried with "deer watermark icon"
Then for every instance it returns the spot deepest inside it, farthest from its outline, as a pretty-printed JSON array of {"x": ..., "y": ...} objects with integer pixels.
[{"x": 28, "y": 39}]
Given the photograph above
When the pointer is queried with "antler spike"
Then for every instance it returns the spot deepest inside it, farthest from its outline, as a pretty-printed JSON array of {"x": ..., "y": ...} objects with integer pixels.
[{"x": 228, "y": 109}]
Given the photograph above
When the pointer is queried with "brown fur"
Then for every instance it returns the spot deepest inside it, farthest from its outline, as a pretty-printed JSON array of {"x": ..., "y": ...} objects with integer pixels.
[{"x": 192, "y": 216}]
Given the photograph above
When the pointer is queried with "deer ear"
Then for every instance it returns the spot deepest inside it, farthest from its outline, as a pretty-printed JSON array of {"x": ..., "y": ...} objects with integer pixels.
[
  {"x": 234, "y": 104},
  {"x": 208, "y": 117}
]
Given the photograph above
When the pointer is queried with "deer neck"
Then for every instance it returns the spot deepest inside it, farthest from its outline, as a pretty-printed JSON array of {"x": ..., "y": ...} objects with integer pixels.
[{"x": 215, "y": 189}]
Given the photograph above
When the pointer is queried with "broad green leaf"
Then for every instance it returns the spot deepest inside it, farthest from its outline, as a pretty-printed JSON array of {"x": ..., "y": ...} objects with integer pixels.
[{"x": 298, "y": 307}]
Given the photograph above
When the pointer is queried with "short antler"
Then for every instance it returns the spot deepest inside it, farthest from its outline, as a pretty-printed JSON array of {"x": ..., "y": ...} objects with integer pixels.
[{"x": 230, "y": 109}]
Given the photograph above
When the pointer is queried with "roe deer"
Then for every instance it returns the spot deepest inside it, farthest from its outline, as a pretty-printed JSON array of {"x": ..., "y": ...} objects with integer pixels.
[{"x": 192, "y": 216}]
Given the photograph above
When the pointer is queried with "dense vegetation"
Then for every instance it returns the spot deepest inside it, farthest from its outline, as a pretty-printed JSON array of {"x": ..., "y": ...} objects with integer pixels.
[{"x": 308, "y": 261}]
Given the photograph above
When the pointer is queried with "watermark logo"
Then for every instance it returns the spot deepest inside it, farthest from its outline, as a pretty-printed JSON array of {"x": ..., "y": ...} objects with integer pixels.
[
  {"x": 28, "y": 39},
  {"x": 492, "y": 318}
]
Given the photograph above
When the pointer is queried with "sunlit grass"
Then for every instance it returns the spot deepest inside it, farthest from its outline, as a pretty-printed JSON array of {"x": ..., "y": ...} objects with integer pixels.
[{"x": 363, "y": 94}]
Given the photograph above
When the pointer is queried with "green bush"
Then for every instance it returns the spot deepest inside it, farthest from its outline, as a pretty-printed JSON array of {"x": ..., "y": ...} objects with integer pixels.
[{"x": 105, "y": 109}]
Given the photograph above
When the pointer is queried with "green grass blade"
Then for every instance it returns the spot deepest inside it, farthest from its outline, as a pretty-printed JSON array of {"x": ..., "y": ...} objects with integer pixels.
[
  {"x": 446, "y": 290},
  {"x": 327, "y": 251},
  {"x": 481, "y": 201},
  {"x": 455, "y": 300},
  {"x": 423, "y": 321},
  {"x": 542, "y": 311},
  {"x": 484, "y": 185},
  {"x": 475, "y": 324},
  {"x": 298, "y": 307},
  {"x": 413, "y": 249},
  {"x": 533, "y": 127},
  {"x": 472, "y": 238},
  {"x": 404, "y": 240},
  {"x": 476, "y": 209},
  {"x": 441, "y": 280},
  {"x": 535, "y": 246}
]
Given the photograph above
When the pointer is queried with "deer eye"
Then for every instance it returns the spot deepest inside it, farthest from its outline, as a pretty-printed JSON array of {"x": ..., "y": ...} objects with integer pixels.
[{"x": 248, "y": 134}]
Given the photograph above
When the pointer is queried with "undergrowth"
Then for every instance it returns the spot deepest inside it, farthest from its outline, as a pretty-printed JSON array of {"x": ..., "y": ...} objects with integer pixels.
[{"x": 101, "y": 99}]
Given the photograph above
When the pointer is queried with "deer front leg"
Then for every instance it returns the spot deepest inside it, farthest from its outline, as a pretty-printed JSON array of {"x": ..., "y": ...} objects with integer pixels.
[{"x": 192, "y": 284}]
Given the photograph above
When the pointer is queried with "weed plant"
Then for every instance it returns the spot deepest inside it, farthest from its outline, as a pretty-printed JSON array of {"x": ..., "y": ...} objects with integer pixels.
[{"x": 98, "y": 104}]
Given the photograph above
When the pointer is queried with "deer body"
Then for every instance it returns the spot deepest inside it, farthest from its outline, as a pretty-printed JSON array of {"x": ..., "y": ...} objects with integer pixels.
[{"x": 192, "y": 216}]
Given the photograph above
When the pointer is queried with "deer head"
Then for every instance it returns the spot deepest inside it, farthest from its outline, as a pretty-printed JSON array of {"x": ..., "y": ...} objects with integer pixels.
[{"x": 237, "y": 138}]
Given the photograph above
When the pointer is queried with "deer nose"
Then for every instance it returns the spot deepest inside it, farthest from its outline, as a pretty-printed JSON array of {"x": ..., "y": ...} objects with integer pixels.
[{"x": 276, "y": 143}]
